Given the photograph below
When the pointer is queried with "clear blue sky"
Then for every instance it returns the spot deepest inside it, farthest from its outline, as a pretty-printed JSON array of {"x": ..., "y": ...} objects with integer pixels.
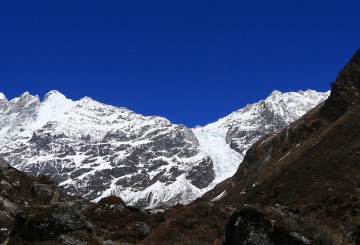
[{"x": 190, "y": 61}]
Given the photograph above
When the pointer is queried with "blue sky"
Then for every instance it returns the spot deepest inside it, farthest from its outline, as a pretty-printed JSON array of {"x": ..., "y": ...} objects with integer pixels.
[{"x": 190, "y": 61}]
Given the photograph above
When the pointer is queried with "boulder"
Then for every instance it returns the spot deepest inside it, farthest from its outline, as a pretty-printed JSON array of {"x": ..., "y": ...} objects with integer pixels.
[
  {"x": 143, "y": 229},
  {"x": 46, "y": 193},
  {"x": 252, "y": 226},
  {"x": 4, "y": 166}
]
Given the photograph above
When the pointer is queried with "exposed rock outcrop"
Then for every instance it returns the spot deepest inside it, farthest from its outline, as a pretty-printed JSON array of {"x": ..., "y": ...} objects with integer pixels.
[
  {"x": 345, "y": 90},
  {"x": 252, "y": 226}
]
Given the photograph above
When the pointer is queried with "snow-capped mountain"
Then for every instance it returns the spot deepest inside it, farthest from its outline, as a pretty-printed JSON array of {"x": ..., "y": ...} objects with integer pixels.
[
  {"x": 95, "y": 150},
  {"x": 227, "y": 140}
]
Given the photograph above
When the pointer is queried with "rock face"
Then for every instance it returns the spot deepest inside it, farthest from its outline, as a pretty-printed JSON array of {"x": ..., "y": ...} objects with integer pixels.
[
  {"x": 147, "y": 161},
  {"x": 345, "y": 90},
  {"x": 51, "y": 223},
  {"x": 35, "y": 209},
  {"x": 273, "y": 225},
  {"x": 251, "y": 226}
]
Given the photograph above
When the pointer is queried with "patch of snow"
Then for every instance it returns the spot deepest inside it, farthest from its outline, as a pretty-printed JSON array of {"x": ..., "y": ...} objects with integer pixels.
[
  {"x": 219, "y": 197},
  {"x": 255, "y": 184},
  {"x": 285, "y": 156},
  {"x": 316, "y": 142},
  {"x": 212, "y": 142}
]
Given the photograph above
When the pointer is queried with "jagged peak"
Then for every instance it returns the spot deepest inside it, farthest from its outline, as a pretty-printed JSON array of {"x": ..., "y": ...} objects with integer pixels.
[
  {"x": 344, "y": 91},
  {"x": 87, "y": 99},
  {"x": 349, "y": 76},
  {"x": 308, "y": 91},
  {"x": 26, "y": 96},
  {"x": 3, "y": 97},
  {"x": 275, "y": 92},
  {"x": 309, "y": 97}
]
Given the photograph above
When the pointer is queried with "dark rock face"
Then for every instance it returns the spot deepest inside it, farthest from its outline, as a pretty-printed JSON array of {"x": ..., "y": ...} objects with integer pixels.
[
  {"x": 202, "y": 174},
  {"x": 8, "y": 209},
  {"x": 273, "y": 145},
  {"x": 35, "y": 210},
  {"x": 6, "y": 221},
  {"x": 356, "y": 235},
  {"x": 4, "y": 165},
  {"x": 143, "y": 229},
  {"x": 41, "y": 224},
  {"x": 56, "y": 218},
  {"x": 251, "y": 226},
  {"x": 47, "y": 193},
  {"x": 118, "y": 223},
  {"x": 345, "y": 90},
  {"x": 4, "y": 233}
]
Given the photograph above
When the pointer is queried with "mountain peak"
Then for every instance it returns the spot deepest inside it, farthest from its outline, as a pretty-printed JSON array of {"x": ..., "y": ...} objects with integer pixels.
[
  {"x": 90, "y": 102},
  {"x": 345, "y": 90},
  {"x": 3, "y": 97},
  {"x": 86, "y": 99},
  {"x": 349, "y": 76},
  {"x": 25, "y": 97},
  {"x": 51, "y": 94},
  {"x": 275, "y": 92},
  {"x": 25, "y": 94}
]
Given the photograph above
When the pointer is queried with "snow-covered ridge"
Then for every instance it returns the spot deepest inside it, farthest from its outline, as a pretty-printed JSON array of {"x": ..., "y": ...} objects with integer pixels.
[
  {"x": 96, "y": 150},
  {"x": 227, "y": 140}
]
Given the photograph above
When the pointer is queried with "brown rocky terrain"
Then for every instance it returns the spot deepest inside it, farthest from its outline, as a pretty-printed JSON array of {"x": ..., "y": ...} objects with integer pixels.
[{"x": 35, "y": 210}]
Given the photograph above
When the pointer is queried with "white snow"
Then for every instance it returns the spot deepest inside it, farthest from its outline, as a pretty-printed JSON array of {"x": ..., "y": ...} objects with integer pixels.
[
  {"x": 255, "y": 184},
  {"x": 2, "y": 97},
  {"x": 53, "y": 108},
  {"x": 285, "y": 156},
  {"x": 213, "y": 143},
  {"x": 86, "y": 122},
  {"x": 219, "y": 197}
]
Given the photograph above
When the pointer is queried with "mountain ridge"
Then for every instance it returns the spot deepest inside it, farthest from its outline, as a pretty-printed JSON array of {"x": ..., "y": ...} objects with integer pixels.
[{"x": 146, "y": 160}]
